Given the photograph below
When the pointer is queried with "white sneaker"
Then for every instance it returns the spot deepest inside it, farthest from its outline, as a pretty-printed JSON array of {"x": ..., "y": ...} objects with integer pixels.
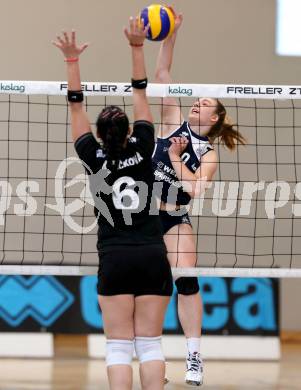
[{"x": 194, "y": 369}]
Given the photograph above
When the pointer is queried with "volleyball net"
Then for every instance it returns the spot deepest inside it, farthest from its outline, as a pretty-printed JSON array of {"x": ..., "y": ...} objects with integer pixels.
[{"x": 246, "y": 224}]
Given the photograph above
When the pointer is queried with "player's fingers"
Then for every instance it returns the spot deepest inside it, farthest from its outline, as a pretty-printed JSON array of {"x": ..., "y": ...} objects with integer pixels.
[
  {"x": 137, "y": 24},
  {"x": 73, "y": 37},
  {"x": 57, "y": 44},
  {"x": 83, "y": 47},
  {"x": 184, "y": 140},
  {"x": 146, "y": 28},
  {"x": 132, "y": 24},
  {"x": 172, "y": 9},
  {"x": 66, "y": 37},
  {"x": 126, "y": 32},
  {"x": 60, "y": 40}
]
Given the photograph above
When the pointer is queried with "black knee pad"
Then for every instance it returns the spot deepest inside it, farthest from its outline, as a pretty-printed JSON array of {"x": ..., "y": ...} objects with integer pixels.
[{"x": 187, "y": 285}]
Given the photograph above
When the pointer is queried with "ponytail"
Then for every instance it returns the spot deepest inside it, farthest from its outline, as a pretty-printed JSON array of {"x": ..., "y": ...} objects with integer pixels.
[
  {"x": 112, "y": 127},
  {"x": 113, "y": 147},
  {"x": 224, "y": 129}
]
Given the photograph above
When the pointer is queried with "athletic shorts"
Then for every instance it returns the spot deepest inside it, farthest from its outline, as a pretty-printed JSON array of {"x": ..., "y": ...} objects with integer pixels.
[
  {"x": 169, "y": 221},
  {"x": 136, "y": 270}
]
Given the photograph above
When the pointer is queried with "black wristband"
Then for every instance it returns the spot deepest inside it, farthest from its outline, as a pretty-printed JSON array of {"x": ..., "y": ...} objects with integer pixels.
[
  {"x": 75, "y": 96},
  {"x": 139, "y": 84}
]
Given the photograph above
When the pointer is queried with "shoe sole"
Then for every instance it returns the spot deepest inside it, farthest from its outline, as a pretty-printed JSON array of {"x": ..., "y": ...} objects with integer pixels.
[{"x": 194, "y": 383}]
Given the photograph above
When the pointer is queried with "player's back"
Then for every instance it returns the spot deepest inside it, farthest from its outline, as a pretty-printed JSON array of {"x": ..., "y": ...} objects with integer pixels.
[{"x": 123, "y": 195}]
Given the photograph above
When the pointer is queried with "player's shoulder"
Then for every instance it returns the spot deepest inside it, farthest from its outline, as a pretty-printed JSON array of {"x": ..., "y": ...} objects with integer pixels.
[
  {"x": 142, "y": 130},
  {"x": 143, "y": 124},
  {"x": 84, "y": 138},
  {"x": 181, "y": 130},
  {"x": 143, "y": 137}
]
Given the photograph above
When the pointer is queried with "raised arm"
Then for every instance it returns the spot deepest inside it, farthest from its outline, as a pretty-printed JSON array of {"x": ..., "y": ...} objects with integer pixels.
[
  {"x": 71, "y": 50},
  {"x": 136, "y": 34},
  {"x": 171, "y": 113}
]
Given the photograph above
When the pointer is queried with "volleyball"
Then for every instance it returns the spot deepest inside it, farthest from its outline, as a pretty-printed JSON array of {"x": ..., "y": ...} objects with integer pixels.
[{"x": 161, "y": 21}]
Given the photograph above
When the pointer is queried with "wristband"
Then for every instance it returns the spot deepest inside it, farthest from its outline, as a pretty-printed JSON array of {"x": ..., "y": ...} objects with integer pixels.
[
  {"x": 139, "y": 84},
  {"x": 136, "y": 44},
  {"x": 71, "y": 59},
  {"x": 75, "y": 96}
]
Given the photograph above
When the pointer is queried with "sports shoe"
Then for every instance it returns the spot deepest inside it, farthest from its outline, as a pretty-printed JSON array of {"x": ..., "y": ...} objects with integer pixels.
[{"x": 194, "y": 369}]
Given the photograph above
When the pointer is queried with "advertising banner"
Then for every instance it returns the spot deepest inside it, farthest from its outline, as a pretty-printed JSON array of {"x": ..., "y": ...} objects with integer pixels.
[{"x": 232, "y": 306}]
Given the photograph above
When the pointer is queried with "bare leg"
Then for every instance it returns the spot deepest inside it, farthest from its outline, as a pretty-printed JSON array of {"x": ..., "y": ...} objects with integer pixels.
[
  {"x": 181, "y": 245},
  {"x": 118, "y": 317},
  {"x": 149, "y": 317},
  {"x": 190, "y": 314},
  {"x": 181, "y": 253}
]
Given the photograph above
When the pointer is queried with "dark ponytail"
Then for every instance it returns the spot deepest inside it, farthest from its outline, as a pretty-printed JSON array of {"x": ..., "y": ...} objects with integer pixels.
[
  {"x": 112, "y": 127},
  {"x": 224, "y": 129}
]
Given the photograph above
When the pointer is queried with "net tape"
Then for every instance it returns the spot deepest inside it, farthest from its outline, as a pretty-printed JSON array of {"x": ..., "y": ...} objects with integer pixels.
[{"x": 155, "y": 90}]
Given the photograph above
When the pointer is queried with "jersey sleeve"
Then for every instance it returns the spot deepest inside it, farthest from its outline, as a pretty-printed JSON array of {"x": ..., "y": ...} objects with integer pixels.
[
  {"x": 144, "y": 132},
  {"x": 87, "y": 147}
]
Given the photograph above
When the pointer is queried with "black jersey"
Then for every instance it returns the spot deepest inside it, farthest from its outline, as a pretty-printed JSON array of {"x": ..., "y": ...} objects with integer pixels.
[
  {"x": 197, "y": 147},
  {"x": 123, "y": 197}
]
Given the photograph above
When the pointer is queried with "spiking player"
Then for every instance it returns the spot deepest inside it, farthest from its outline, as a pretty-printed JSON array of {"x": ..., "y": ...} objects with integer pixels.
[{"x": 183, "y": 158}]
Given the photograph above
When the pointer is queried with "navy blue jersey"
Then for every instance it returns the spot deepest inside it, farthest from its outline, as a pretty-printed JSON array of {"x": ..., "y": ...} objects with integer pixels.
[
  {"x": 123, "y": 197},
  {"x": 172, "y": 191}
]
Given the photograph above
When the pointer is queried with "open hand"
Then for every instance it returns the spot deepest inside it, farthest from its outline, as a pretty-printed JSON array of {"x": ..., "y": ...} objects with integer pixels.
[
  {"x": 137, "y": 31},
  {"x": 178, "y": 145},
  {"x": 67, "y": 44},
  {"x": 178, "y": 18}
]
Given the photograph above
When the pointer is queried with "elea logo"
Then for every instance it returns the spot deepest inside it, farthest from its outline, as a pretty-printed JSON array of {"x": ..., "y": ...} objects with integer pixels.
[
  {"x": 180, "y": 91},
  {"x": 12, "y": 88}
]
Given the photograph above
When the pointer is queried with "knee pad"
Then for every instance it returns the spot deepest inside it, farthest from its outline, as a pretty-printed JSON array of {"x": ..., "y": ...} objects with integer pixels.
[
  {"x": 187, "y": 285},
  {"x": 119, "y": 352},
  {"x": 148, "y": 349}
]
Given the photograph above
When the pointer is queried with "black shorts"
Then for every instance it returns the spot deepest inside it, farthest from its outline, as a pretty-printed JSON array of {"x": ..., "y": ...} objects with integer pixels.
[
  {"x": 136, "y": 270},
  {"x": 169, "y": 221}
]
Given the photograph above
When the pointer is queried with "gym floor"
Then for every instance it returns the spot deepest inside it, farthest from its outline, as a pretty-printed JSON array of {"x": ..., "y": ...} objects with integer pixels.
[{"x": 71, "y": 370}]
